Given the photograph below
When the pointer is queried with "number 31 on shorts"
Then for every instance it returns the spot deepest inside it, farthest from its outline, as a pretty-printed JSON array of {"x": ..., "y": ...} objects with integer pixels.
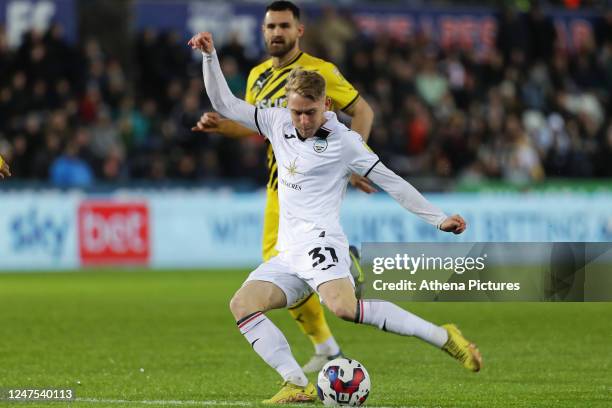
[{"x": 318, "y": 255}]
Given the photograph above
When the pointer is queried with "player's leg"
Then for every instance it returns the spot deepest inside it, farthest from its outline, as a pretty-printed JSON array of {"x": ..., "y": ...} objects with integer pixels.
[
  {"x": 325, "y": 350},
  {"x": 268, "y": 287},
  {"x": 270, "y": 225},
  {"x": 338, "y": 296},
  {"x": 311, "y": 320},
  {"x": 248, "y": 307},
  {"x": 308, "y": 314}
]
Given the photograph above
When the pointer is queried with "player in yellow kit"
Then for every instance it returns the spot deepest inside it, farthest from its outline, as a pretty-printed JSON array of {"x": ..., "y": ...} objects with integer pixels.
[{"x": 266, "y": 88}]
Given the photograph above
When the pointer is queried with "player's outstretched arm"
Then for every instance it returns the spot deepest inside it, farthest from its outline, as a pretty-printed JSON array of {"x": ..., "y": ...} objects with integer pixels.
[
  {"x": 5, "y": 170},
  {"x": 212, "y": 122},
  {"x": 410, "y": 198},
  {"x": 359, "y": 158},
  {"x": 221, "y": 97}
]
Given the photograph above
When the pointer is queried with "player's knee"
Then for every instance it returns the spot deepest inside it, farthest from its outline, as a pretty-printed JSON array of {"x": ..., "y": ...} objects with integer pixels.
[
  {"x": 240, "y": 307},
  {"x": 343, "y": 309}
]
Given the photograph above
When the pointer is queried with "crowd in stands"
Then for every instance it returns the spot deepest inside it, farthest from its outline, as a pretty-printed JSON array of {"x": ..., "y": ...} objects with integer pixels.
[{"x": 523, "y": 111}]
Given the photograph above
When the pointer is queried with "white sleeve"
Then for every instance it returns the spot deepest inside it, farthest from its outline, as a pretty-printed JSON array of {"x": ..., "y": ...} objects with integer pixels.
[
  {"x": 359, "y": 158},
  {"x": 406, "y": 195},
  {"x": 224, "y": 102},
  {"x": 220, "y": 95}
]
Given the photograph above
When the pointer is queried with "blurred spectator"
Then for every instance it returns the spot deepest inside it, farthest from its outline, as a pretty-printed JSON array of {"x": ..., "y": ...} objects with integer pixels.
[
  {"x": 603, "y": 30},
  {"x": 333, "y": 31},
  {"x": 234, "y": 49},
  {"x": 235, "y": 79},
  {"x": 512, "y": 34},
  {"x": 542, "y": 34},
  {"x": 69, "y": 170},
  {"x": 113, "y": 169},
  {"x": 520, "y": 160},
  {"x": 430, "y": 83},
  {"x": 104, "y": 135}
]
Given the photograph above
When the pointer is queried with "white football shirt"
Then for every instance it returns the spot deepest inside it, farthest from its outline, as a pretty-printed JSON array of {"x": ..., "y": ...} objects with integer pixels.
[{"x": 313, "y": 172}]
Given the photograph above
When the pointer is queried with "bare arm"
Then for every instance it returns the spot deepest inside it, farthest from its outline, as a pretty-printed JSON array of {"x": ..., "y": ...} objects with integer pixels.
[
  {"x": 363, "y": 117},
  {"x": 212, "y": 122}
]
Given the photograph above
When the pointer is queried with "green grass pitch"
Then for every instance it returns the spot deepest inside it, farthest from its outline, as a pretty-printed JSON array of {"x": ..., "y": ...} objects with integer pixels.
[{"x": 141, "y": 338}]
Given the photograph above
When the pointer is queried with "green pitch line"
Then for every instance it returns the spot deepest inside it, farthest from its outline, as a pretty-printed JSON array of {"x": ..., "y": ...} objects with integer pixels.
[{"x": 94, "y": 331}]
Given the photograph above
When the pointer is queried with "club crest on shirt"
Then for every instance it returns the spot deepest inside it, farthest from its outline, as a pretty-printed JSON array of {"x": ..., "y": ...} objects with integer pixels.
[{"x": 320, "y": 145}]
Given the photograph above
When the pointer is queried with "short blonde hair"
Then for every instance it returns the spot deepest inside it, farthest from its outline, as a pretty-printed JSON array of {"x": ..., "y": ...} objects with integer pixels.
[{"x": 309, "y": 84}]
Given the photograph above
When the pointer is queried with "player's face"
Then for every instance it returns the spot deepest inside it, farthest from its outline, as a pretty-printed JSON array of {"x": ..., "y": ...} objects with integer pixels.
[
  {"x": 307, "y": 115},
  {"x": 281, "y": 31}
]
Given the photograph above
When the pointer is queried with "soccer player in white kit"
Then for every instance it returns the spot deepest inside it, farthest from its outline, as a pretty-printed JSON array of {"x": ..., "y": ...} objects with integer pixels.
[{"x": 316, "y": 154}]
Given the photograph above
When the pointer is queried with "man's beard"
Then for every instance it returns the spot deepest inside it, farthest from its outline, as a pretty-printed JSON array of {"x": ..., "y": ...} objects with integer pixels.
[{"x": 282, "y": 50}]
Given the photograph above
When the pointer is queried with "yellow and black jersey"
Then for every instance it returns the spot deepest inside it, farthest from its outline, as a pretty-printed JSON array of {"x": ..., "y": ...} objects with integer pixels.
[{"x": 266, "y": 89}]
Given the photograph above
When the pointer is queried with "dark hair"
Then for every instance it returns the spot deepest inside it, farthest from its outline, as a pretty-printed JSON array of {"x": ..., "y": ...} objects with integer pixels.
[{"x": 284, "y": 5}]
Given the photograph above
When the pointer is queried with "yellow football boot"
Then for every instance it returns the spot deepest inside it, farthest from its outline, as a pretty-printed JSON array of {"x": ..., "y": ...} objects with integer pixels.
[
  {"x": 462, "y": 349},
  {"x": 291, "y": 393}
]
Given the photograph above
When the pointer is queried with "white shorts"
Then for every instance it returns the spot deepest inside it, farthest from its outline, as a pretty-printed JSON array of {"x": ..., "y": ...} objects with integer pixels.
[{"x": 299, "y": 271}]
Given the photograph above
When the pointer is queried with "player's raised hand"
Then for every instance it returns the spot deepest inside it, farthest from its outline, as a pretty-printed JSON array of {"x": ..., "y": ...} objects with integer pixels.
[
  {"x": 362, "y": 183},
  {"x": 5, "y": 170},
  {"x": 455, "y": 224},
  {"x": 203, "y": 42},
  {"x": 209, "y": 122}
]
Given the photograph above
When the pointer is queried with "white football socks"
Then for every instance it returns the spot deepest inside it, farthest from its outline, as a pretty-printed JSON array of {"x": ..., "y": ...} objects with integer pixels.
[
  {"x": 328, "y": 348},
  {"x": 389, "y": 317},
  {"x": 271, "y": 345}
]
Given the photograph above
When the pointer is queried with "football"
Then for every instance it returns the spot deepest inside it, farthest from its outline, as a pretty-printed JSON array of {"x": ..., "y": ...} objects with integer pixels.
[{"x": 343, "y": 382}]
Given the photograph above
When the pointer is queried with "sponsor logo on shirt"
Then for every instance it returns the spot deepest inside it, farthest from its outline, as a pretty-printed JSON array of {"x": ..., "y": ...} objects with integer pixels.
[
  {"x": 292, "y": 171},
  {"x": 294, "y": 186}
]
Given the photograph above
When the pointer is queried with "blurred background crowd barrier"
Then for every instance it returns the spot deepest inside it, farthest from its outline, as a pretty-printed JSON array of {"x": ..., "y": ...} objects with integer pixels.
[{"x": 503, "y": 112}]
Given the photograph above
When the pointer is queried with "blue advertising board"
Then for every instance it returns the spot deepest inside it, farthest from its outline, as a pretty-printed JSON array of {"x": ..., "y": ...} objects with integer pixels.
[{"x": 38, "y": 231}]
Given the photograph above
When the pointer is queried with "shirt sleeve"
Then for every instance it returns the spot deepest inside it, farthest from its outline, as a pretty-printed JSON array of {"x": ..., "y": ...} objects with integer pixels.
[
  {"x": 341, "y": 92},
  {"x": 406, "y": 195},
  {"x": 269, "y": 119},
  {"x": 359, "y": 158},
  {"x": 220, "y": 95}
]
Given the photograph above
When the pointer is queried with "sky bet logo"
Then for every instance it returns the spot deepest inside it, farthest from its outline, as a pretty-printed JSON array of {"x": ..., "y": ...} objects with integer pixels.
[
  {"x": 39, "y": 233},
  {"x": 114, "y": 233}
]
